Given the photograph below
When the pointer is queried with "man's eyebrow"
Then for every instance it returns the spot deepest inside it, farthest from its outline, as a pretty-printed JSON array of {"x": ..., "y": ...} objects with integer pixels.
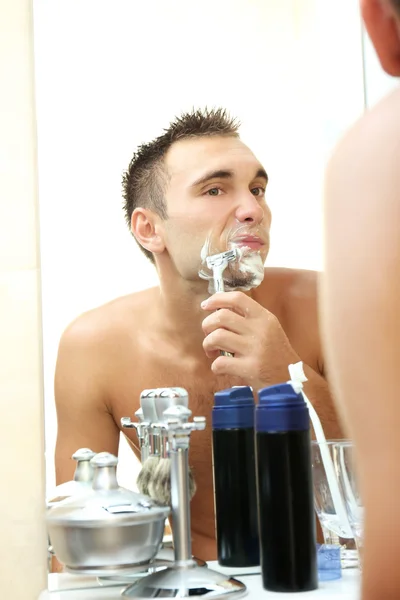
[
  {"x": 220, "y": 174},
  {"x": 225, "y": 174},
  {"x": 261, "y": 173}
]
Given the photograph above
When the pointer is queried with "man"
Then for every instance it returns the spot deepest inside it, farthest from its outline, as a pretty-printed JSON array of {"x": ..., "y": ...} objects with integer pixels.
[
  {"x": 361, "y": 304},
  {"x": 196, "y": 182}
]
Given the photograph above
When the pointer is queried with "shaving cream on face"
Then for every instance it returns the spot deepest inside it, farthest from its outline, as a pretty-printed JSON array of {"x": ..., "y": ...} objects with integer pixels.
[
  {"x": 205, "y": 272},
  {"x": 243, "y": 274},
  {"x": 204, "y": 252},
  {"x": 250, "y": 263}
]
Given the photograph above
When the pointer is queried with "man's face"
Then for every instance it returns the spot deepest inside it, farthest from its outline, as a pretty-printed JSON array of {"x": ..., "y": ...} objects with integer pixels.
[{"x": 215, "y": 196}]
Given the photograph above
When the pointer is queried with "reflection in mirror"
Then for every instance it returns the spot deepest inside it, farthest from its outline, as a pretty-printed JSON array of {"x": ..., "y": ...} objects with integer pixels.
[{"x": 112, "y": 77}]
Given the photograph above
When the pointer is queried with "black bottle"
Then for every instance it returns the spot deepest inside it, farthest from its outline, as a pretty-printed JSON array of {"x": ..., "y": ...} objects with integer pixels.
[
  {"x": 235, "y": 489},
  {"x": 285, "y": 491}
]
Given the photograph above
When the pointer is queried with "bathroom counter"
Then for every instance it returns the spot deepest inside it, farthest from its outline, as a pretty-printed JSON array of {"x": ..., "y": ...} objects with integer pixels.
[{"x": 73, "y": 587}]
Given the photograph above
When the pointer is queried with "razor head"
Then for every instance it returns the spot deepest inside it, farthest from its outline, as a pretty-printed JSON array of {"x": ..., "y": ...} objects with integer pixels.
[{"x": 219, "y": 260}]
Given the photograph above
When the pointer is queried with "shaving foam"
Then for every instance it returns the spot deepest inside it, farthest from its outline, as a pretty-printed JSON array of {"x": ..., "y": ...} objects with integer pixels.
[{"x": 249, "y": 263}]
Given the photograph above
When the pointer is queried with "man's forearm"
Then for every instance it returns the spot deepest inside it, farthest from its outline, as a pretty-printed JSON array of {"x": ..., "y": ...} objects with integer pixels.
[{"x": 318, "y": 392}]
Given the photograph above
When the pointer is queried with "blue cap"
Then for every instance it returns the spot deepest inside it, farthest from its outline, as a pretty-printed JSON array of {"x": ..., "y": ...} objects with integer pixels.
[
  {"x": 233, "y": 408},
  {"x": 280, "y": 408}
]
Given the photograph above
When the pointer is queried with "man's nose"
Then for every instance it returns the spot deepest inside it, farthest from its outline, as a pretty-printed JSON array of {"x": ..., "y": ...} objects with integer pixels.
[{"x": 249, "y": 210}]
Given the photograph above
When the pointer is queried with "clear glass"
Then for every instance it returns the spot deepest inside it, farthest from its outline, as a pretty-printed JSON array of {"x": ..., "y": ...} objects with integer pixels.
[
  {"x": 333, "y": 530},
  {"x": 344, "y": 461}
]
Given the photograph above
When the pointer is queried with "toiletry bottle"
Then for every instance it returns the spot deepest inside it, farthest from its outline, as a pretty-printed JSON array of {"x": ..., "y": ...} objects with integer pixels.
[
  {"x": 285, "y": 491},
  {"x": 234, "y": 472}
]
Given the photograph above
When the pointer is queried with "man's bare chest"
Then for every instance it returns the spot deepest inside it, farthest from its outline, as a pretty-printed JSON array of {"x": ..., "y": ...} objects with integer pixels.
[{"x": 141, "y": 367}]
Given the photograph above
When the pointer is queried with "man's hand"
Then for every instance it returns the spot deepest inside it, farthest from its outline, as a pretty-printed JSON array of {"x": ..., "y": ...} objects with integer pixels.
[{"x": 238, "y": 324}]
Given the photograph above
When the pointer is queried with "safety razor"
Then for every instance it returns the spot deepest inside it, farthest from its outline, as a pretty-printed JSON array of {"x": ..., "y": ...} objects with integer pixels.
[{"x": 218, "y": 263}]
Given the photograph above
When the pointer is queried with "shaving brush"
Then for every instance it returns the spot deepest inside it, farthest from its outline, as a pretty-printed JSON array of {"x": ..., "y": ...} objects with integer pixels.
[
  {"x": 154, "y": 479},
  {"x": 146, "y": 475},
  {"x": 159, "y": 483}
]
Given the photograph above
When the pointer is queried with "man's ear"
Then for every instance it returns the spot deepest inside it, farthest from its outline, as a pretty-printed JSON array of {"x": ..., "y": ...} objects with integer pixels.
[
  {"x": 145, "y": 228},
  {"x": 383, "y": 26}
]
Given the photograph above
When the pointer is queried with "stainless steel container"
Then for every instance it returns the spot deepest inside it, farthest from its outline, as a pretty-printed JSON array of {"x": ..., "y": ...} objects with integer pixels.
[
  {"x": 81, "y": 484},
  {"x": 107, "y": 529},
  {"x": 82, "y": 481}
]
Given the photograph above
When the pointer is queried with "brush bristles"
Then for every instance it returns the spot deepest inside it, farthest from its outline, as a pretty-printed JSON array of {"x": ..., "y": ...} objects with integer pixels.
[
  {"x": 156, "y": 477},
  {"x": 146, "y": 474}
]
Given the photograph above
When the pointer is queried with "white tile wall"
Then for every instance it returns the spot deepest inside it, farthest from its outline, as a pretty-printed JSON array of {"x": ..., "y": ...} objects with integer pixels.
[{"x": 22, "y": 531}]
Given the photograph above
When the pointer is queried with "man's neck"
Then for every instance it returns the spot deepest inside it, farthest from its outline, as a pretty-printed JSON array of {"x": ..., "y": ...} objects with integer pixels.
[{"x": 178, "y": 311}]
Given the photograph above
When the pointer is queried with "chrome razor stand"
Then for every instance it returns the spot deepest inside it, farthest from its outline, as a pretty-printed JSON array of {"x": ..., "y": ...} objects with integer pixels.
[
  {"x": 142, "y": 431},
  {"x": 184, "y": 578}
]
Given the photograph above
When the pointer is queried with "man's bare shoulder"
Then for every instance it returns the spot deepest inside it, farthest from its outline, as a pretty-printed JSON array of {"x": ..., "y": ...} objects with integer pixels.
[
  {"x": 295, "y": 303},
  {"x": 291, "y": 286},
  {"x": 99, "y": 326},
  {"x": 354, "y": 153}
]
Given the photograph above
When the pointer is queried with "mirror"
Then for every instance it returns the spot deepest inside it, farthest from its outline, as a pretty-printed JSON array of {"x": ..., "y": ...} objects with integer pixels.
[{"x": 112, "y": 75}]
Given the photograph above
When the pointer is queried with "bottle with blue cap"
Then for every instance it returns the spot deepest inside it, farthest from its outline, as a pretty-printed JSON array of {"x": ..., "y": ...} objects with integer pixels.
[
  {"x": 285, "y": 491},
  {"x": 235, "y": 489}
]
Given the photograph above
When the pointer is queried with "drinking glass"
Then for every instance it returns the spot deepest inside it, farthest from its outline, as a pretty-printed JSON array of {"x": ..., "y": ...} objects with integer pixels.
[
  {"x": 344, "y": 460},
  {"x": 334, "y": 531}
]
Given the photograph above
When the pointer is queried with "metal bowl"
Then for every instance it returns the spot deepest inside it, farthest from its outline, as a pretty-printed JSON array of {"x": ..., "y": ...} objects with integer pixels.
[{"x": 108, "y": 528}]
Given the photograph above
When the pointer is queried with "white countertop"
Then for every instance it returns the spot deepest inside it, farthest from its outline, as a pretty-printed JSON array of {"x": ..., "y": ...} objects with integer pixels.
[{"x": 78, "y": 587}]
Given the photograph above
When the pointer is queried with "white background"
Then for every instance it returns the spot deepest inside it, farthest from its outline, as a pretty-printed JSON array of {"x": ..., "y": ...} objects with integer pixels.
[{"x": 112, "y": 74}]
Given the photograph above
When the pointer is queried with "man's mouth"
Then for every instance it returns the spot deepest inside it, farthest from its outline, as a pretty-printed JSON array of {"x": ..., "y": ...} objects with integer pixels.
[{"x": 249, "y": 241}]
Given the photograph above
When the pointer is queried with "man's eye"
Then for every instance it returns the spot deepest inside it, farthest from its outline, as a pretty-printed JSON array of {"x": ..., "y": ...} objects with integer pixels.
[
  {"x": 213, "y": 192},
  {"x": 258, "y": 191}
]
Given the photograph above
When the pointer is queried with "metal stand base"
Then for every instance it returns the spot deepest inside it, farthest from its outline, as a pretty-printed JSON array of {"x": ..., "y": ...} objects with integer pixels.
[
  {"x": 185, "y": 582},
  {"x": 117, "y": 570},
  {"x": 139, "y": 572}
]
